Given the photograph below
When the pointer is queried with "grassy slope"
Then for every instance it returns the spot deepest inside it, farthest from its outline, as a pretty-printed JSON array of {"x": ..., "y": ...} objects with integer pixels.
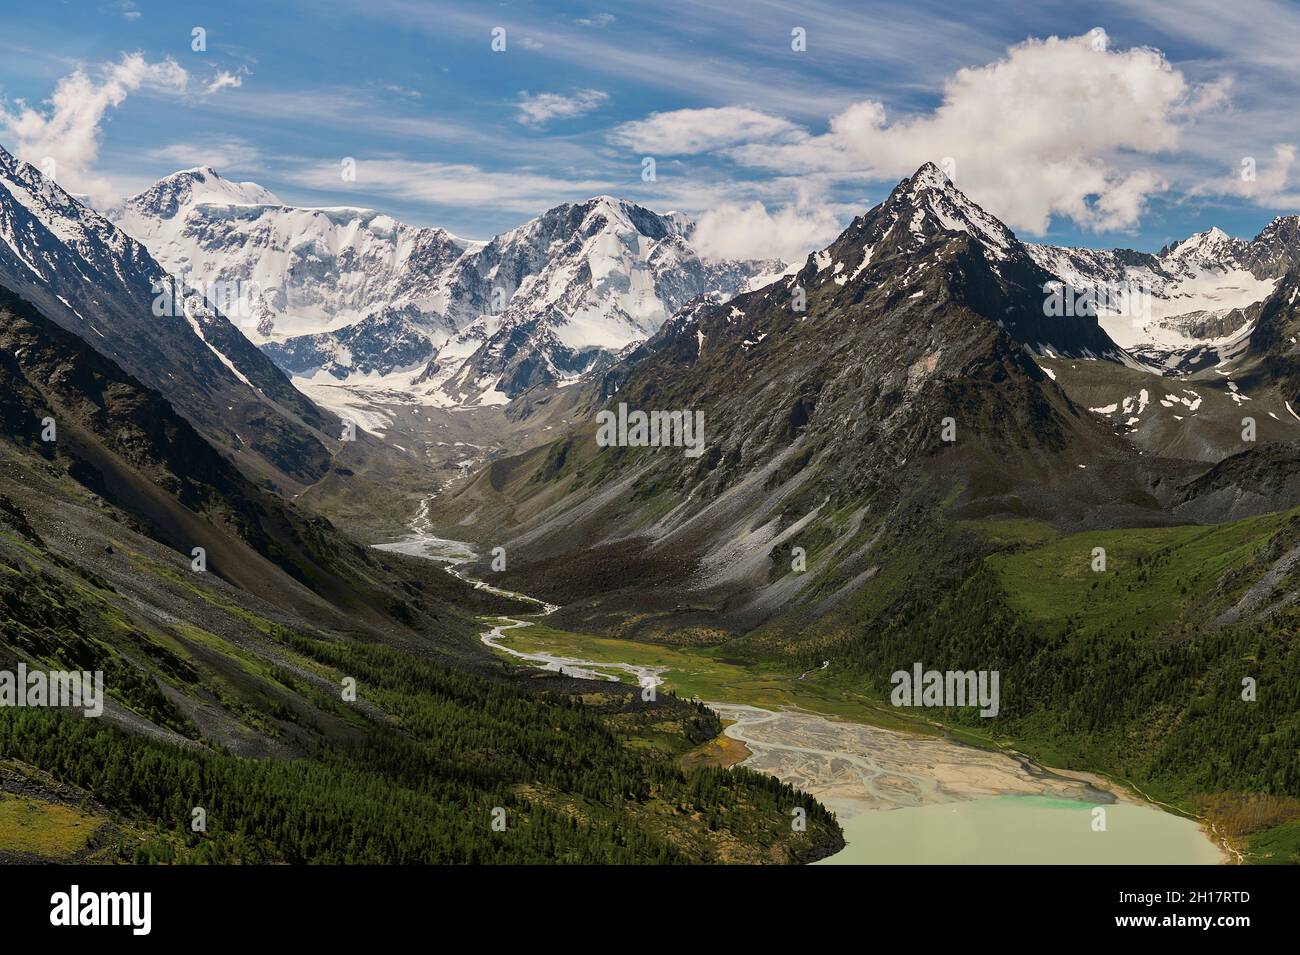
[
  {"x": 211, "y": 672},
  {"x": 1152, "y": 583},
  {"x": 44, "y": 828},
  {"x": 711, "y": 673},
  {"x": 1121, "y": 671},
  {"x": 1160, "y": 586},
  {"x": 1118, "y": 672},
  {"x": 229, "y": 670}
]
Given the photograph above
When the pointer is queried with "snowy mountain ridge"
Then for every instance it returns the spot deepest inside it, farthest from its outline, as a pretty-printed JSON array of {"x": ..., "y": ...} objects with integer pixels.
[
  {"x": 94, "y": 280},
  {"x": 287, "y": 271},
  {"x": 1197, "y": 294},
  {"x": 352, "y": 298}
]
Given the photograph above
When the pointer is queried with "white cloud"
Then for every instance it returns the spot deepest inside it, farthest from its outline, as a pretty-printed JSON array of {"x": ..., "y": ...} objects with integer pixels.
[
  {"x": 541, "y": 108},
  {"x": 686, "y": 131},
  {"x": 231, "y": 154},
  {"x": 597, "y": 20},
  {"x": 750, "y": 231},
  {"x": 406, "y": 91},
  {"x": 453, "y": 184},
  {"x": 67, "y": 128},
  {"x": 1262, "y": 181},
  {"x": 225, "y": 79},
  {"x": 1057, "y": 127}
]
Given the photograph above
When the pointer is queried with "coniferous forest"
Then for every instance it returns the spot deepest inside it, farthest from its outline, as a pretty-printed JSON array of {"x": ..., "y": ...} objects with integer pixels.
[{"x": 441, "y": 755}]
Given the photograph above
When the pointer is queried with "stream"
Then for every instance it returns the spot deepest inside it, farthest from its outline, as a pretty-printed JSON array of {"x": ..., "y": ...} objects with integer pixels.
[{"x": 901, "y": 798}]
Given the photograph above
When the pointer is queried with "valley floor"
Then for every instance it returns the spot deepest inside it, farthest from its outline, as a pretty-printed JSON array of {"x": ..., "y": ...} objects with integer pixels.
[{"x": 903, "y": 796}]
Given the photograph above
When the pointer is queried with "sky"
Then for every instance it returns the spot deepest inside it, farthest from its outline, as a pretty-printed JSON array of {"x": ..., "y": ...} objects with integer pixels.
[{"x": 1114, "y": 123}]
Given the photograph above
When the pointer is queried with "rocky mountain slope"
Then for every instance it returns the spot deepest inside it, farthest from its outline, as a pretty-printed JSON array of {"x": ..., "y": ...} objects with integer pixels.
[
  {"x": 906, "y": 377},
  {"x": 96, "y": 281},
  {"x": 1275, "y": 340},
  {"x": 252, "y": 655},
  {"x": 71, "y": 412},
  {"x": 1213, "y": 400},
  {"x": 898, "y": 368}
]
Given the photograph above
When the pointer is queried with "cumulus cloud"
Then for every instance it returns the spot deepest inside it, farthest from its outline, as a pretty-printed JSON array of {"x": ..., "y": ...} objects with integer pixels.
[
  {"x": 67, "y": 128},
  {"x": 541, "y": 108},
  {"x": 686, "y": 131},
  {"x": 751, "y": 231},
  {"x": 1057, "y": 127}
]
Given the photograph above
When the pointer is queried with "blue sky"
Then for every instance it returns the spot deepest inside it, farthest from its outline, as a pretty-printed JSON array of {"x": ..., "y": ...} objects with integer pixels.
[{"x": 1133, "y": 136}]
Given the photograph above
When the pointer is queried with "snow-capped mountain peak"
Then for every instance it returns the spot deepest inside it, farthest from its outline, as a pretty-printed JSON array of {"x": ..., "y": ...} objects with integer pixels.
[
  {"x": 928, "y": 176},
  {"x": 282, "y": 271},
  {"x": 1194, "y": 295},
  {"x": 181, "y": 191},
  {"x": 920, "y": 209},
  {"x": 927, "y": 230},
  {"x": 941, "y": 198},
  {"x": 73, "y": 223},
  {"x": 1212, "y": 248},
  {"x": 352, "y": 297},
  {"x": 929, "y": 202},
  {"x": 94, "y": 280},
  {"x": 557, "y": 297}
]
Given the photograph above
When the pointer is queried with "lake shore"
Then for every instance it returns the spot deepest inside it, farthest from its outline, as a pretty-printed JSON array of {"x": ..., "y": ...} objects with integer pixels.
[{"x": 859, "y": 770}]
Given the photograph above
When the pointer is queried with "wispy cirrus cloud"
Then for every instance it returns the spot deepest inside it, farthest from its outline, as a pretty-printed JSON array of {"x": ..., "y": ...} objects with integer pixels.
[
  {"x": 399, "y": 90},
  {"x": 666, "y": 54},
  {"x": 730, "y": 110},
  {"x": 220, "y": 154},
  {"x": 688, "y": 131},
  {"x": 456, "y": 185},
  {"x": 226, "y": 79}
]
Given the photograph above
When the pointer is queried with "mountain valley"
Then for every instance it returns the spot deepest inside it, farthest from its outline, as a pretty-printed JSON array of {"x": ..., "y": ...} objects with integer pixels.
[
  {"x": 877, "y": 461},
  {"x": 908, "y": 456}
]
